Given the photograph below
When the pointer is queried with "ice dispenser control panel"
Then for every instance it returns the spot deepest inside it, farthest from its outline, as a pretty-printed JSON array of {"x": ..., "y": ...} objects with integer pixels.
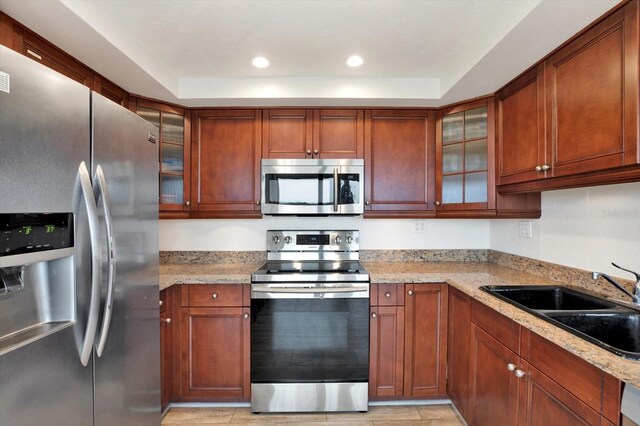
[{"x": 30, "y": 232}]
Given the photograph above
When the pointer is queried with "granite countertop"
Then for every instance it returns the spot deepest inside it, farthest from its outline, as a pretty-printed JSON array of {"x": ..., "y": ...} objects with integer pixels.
[{"x": 465, "y": 276}]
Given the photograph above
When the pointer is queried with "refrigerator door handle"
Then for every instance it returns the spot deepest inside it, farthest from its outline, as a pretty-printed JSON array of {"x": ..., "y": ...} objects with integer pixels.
[
  {"x": 101, "y": 189},
  {"x": 83, "y": 189}
]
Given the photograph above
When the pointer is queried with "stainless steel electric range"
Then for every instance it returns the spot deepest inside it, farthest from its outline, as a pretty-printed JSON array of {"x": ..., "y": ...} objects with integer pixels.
[{"x": 310, "y": 324}]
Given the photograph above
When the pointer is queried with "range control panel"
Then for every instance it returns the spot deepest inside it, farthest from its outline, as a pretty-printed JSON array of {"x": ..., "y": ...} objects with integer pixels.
[
  {"x": 30, "y": 232},
  {"x": 344, "y": 240}
]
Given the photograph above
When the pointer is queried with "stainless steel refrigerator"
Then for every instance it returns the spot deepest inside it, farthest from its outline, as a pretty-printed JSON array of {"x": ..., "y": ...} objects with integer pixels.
[{"x": 79, "y": 320}]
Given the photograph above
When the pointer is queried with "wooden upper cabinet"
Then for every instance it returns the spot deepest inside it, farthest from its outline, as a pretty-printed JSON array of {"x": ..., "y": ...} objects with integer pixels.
[
  {"x": 306, "y": 133},
  {"x": 287, "y": 133},
  {"x": 111, "y": 91},
  {"x": 399, "y": 162},
  {"x": 338, "y": 133},
  {"x": 48, "y": 55},
  {"x": 225, "y": 162},
  {"x": 592, "y": 98},
  {"x": 521, "y": 143},
  {"x": 174, "y": 152}
]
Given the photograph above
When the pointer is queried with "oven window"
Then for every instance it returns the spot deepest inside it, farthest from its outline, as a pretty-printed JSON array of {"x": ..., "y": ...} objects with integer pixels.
[
  {"x": 309, "y": 341},
  {"x": 299, "y": 189}
]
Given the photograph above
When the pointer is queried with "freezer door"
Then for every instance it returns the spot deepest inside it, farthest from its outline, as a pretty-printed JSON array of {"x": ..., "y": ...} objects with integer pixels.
[
  {"x": 44, "y": 136},
  {"x": 127, "y": 355}
]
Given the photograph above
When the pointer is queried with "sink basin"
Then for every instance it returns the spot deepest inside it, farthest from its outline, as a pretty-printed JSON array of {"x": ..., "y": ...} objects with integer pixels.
[
  {"x": 620, "y": 330},
  {"x": 548, "y": 298},
  {"x": 610, "y": 325}
]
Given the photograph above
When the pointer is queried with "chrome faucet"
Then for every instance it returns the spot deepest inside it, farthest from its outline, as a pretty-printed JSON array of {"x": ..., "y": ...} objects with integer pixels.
[{"x": 635, "y": 296}]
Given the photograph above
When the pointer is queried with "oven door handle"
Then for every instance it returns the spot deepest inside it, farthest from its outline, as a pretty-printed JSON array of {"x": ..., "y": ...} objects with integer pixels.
[{"x": 262, "y": 291}]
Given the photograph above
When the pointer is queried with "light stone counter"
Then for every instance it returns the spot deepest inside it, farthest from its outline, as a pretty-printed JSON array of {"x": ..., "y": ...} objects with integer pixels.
[{"x": 465, "y": 276}]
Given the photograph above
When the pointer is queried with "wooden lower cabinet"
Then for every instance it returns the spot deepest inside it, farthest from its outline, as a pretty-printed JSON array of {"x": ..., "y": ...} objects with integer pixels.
[
  {"x": 214, "y": 343},
  {"x": 530, "y": 381},
  {"x": 408, "y": 342},
  {"x": 166, "y": 358},
  {"x": 459, "y": 332}
]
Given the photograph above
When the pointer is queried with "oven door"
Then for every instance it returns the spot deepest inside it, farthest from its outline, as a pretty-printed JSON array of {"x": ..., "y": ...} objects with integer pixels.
[{"x": 309, "y": 334}]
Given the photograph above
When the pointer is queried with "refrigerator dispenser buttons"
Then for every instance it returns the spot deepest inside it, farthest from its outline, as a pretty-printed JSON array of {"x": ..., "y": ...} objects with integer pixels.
[{"x": 5, "y": 81}]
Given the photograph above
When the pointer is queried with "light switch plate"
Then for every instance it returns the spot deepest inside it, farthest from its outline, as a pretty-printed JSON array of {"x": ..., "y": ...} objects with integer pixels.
[{"x": 525, "y": 229}]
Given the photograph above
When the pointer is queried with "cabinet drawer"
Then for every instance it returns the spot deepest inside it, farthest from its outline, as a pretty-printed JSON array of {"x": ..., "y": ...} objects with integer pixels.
[
  {"x": 390, "y": 294},
  {"x": 497, "y": 325},
  {"x": 214, "y": 295}
]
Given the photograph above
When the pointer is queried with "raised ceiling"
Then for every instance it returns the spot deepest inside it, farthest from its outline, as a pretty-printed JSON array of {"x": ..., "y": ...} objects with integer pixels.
[{"x": 417, "y": 53}]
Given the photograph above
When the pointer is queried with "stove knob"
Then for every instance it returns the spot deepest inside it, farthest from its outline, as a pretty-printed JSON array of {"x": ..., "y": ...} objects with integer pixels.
[
  {"x": 275, "y": 239},
  {"x": 287, "y": 239},
  {"x": 349, "y": 239},
  {"x": 338, "y": 239}
]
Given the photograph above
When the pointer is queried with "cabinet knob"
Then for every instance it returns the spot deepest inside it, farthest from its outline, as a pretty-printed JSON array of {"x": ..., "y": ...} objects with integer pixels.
[
  {"x": 160, "y": 302},
  {"x": 308, "y": 152},
  {"x": 315, "y": 151},
  {"x": 519, "y": 374},
  {"x": 511, "y": 367},
  {"x": 387, "y": 295},
  {"x": 538, "y": 169},
  {"x": 167, "y": 320},
  {"x": 367, "y": 203},
  {"x": 545, "y": 167},
  {"x": 187, "y": 203},
  {"x": 214, "y": 296},
  {"x": 410, "y": 292},
  {"x": 437, "y": 203},
  {"x": 245, "y": 316},
  {"x": 374, "y": 315},
  {"x": 258, "y": 203}
]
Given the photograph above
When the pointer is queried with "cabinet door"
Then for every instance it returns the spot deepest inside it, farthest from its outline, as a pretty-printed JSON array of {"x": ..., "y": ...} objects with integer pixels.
[
  {"x": 287, "y": 133},
  {"x": 543, "y": 402},
  {"x": 591, "y": 95},
  {"x": 399, "y": 162},
  {"x": 338, "y": 133},
  {"x": 215, "y": 354},
  {"x": 458, "y": 349},
  {"x": 48, "y": 55},
  {"x": 521, "y": 143},
  {"x": 493, "y": 388},
  {"x": 386, "y": 362},
  {"x": 166, "y": 357},
  {"x": 225, "y": 164},
  {"x": 425, "y": 340},
  {"x": 174, "y": 125},
  {"x": 464, "y": 168}
]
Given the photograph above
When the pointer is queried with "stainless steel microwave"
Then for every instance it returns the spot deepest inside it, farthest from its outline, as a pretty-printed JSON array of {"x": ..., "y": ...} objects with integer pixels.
[{"x": 312, "y": 187}]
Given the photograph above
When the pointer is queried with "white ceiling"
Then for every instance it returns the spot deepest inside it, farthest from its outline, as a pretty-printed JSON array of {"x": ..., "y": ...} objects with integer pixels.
[{"x": 417, "y": 52}]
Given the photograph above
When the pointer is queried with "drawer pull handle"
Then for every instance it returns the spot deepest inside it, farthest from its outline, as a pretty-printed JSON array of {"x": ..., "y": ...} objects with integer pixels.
[
  {"x": 410, "y": 292},
  {"x": 214, "y": 296},
  {"x": 520, "y": 374},
  {"x": 34, "y": 54},
  {"x": 511, "y": 367},
  {"x": 387, "y": 295},
  {"x": 167, "y": 320},
  {"x": 161, "y": 302},
  {"x": 308, "y": 152},
  {"x": 245, "y": 316},
  {"x": 374, "y": 315}
]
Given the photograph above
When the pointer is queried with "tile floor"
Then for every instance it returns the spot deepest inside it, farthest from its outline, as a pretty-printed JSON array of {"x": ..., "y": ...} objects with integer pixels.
[{"x": 401, "y": 415}]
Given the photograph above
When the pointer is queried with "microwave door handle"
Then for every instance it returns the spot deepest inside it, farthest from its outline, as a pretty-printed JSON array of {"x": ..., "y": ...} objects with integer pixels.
[{"x": 336, "y": 190}]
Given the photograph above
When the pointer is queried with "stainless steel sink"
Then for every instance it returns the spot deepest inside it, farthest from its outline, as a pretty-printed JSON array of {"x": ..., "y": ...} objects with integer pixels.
[{"x": 612, "y": 326}]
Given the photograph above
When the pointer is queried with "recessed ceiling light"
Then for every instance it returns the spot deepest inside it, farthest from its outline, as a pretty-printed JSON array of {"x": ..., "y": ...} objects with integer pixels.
[
  {"x": 260, "y": 62},
  {"x": 355, "y": 61}
]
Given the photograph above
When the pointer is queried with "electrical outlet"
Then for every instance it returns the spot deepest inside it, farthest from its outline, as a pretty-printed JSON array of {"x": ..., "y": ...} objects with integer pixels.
[
  {"x": 418, "y": 226},
  {"x": 525, "y": 229}
]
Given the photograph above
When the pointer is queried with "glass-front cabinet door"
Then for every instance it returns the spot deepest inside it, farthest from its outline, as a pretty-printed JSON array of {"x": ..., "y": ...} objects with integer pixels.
[
  {"x": 464, "y": 136},
  {"x": 173, "y": 153}
]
